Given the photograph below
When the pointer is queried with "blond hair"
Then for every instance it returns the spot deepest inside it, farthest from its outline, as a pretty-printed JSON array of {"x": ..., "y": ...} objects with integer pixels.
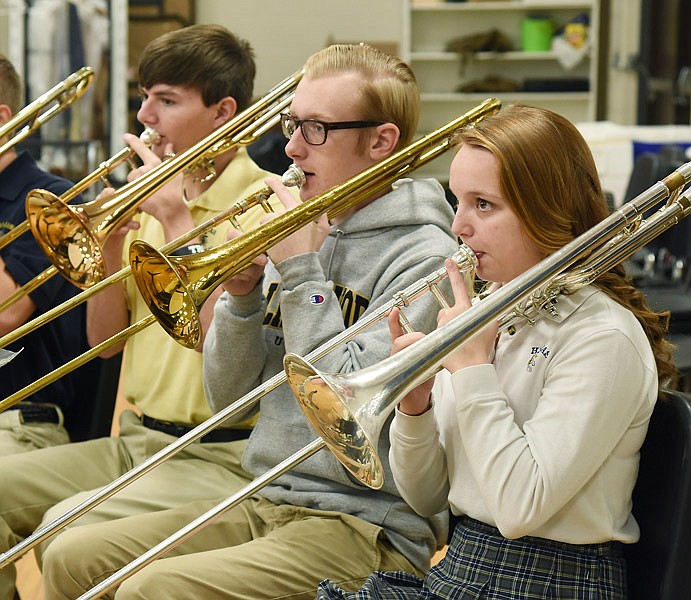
[{"x": 388, "y": 91}]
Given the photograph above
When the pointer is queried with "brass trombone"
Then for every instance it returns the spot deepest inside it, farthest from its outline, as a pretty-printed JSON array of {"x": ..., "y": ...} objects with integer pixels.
[
  {"x": 215, "y": 265},
  {"x": 463, "y": 257},
  {"x": 349, "y": 411},
  {"x": 73, "y": 236},
  {"x": 46, "y": 106},
  {"x": 175, "y": 288},
  {"x": 293, "y": 176},
  {"x": 371, "y": 180},
  {"x": 149, "y": 136}
]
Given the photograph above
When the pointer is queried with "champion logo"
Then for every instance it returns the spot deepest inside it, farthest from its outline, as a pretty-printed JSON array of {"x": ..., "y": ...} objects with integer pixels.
[{"x": 316, "y": 299}]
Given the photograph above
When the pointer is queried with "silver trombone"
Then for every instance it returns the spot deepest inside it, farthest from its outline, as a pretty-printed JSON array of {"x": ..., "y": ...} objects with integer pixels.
[
  {"x": 464, "y": 258},
  {"x": 360, "y": 402}
]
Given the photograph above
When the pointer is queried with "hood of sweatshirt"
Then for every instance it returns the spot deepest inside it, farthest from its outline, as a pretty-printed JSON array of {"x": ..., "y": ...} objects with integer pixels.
[{"x": 386, "y": 213}]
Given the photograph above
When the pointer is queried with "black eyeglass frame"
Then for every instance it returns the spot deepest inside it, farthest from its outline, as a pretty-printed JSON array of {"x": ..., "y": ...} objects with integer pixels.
[{"x": 287, "y": 117}]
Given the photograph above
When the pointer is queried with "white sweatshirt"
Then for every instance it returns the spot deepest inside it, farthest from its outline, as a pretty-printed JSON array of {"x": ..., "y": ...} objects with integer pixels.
[{"x": 544, "y": 442}]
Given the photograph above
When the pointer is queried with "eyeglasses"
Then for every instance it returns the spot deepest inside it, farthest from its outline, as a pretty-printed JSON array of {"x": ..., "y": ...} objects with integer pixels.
[{"x": 314, "y": 131}]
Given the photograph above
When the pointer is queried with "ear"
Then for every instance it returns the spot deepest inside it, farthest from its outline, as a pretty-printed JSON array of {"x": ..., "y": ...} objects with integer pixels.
[
  {"x": 384, "y": 141},
  {"x": 5, "y": 113},
  {"x": 226, "y": 108}
]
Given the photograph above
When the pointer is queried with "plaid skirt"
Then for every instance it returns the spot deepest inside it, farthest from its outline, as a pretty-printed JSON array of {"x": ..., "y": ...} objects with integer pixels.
[{"x": 481, "y": 563}]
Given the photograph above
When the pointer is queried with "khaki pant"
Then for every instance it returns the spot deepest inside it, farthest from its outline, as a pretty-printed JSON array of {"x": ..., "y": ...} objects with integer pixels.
[
  {"x": 17, "y": 436},
  {"x": 254, "y": 551},
  {"x": 41, "y": 485}
]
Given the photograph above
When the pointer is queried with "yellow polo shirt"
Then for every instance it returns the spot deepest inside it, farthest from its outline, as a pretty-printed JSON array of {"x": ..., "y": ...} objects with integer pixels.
[{"x": 161, "y": 377}]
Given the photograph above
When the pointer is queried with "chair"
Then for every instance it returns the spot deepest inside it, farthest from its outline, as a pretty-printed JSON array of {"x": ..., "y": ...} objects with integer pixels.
[
  {"x": 91, "y": 415},
  {"x": 659, "y": 565}
]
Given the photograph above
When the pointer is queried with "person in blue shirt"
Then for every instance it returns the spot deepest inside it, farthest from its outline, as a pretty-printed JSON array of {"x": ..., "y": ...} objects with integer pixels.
[{"x": 47, "y": 417}]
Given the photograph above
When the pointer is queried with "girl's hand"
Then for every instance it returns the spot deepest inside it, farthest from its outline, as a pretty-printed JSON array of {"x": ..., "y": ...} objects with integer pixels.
[
  {"x": 417, "y": 400},
  {"x": 477, "y": 350}
]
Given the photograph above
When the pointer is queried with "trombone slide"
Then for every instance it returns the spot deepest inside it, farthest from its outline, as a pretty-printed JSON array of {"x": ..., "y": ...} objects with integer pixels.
[
  {"x": 402, "y": 299},
  {"x": 46, "y": 106},
  {"x": 175, "y": 288},
  {"x": 202, "y": 521}
]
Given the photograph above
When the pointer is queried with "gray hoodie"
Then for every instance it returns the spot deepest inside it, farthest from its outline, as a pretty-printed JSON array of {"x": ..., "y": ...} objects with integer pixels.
[{"x": 308, "y": 299}]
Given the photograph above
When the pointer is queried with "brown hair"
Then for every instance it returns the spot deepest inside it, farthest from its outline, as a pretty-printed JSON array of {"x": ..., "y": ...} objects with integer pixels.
[
  {"x": 208, "y": 58},
  {"x": 548, "y": 175},
  {"x": 10, "y": 85},
  {"x": 388, "y": 92}
]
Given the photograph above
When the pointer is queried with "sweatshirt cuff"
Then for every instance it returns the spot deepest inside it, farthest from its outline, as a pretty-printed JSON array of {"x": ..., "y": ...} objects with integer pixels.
[
  {"x": 412, "y": 426},
  {"x": 300, "y": 268},
  {"x": 472, "y": 383},
  {"x": 244, "y": 306}
]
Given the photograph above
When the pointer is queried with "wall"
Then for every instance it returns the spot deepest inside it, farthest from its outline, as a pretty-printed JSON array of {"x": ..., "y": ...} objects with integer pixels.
[
  {"x": 288, "y": 32},
  {"x": 624, "y": 35},
  {"x": 284, "y": 34}
]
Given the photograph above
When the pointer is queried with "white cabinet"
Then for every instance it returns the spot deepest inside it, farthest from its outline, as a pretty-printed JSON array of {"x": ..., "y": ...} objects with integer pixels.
[{"x": 429, "y": 26}]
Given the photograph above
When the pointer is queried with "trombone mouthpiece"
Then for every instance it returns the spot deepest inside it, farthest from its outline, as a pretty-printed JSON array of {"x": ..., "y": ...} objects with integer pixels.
[
  {"x": 293, "y": 176},
  {"x": 150, "y": 137}
]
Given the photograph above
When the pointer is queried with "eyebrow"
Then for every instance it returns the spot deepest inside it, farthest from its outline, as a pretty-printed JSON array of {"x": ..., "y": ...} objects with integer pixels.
[
  {"x": 314, "y": 117},
  {"x": 165, "y": 93}
]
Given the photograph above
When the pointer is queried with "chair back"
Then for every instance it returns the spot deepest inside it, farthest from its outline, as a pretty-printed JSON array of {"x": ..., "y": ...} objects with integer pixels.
[{"x": 659, "y": 565}]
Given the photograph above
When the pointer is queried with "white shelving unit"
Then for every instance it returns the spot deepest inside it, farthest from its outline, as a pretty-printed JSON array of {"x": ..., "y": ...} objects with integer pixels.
[{"x": 428, "y": 27}]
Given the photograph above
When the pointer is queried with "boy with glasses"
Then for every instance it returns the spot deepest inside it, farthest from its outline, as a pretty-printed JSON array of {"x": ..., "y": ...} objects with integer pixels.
[{"x": 354, "y": 107}]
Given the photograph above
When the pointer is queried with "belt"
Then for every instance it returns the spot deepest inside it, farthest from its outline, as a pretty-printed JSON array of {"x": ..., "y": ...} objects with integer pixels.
[
  {"x": 213, "y": 437},
  {"x": 37, "y": 413}
]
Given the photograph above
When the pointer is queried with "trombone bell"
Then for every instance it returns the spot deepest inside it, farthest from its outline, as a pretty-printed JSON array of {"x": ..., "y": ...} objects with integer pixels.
[
  {"x": 349, "y": 410},
  {"x": 330, "y": 402},
  {"x": 64, "y": 234},
  {"x": 176, "y": 287},
  {"x": 71, "y": 235}
]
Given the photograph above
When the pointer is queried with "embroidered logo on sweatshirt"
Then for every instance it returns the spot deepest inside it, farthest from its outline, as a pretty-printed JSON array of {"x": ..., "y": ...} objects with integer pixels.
[
  {"x": 535, "y": 352},
  {"x": 352, "y": 304}
]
